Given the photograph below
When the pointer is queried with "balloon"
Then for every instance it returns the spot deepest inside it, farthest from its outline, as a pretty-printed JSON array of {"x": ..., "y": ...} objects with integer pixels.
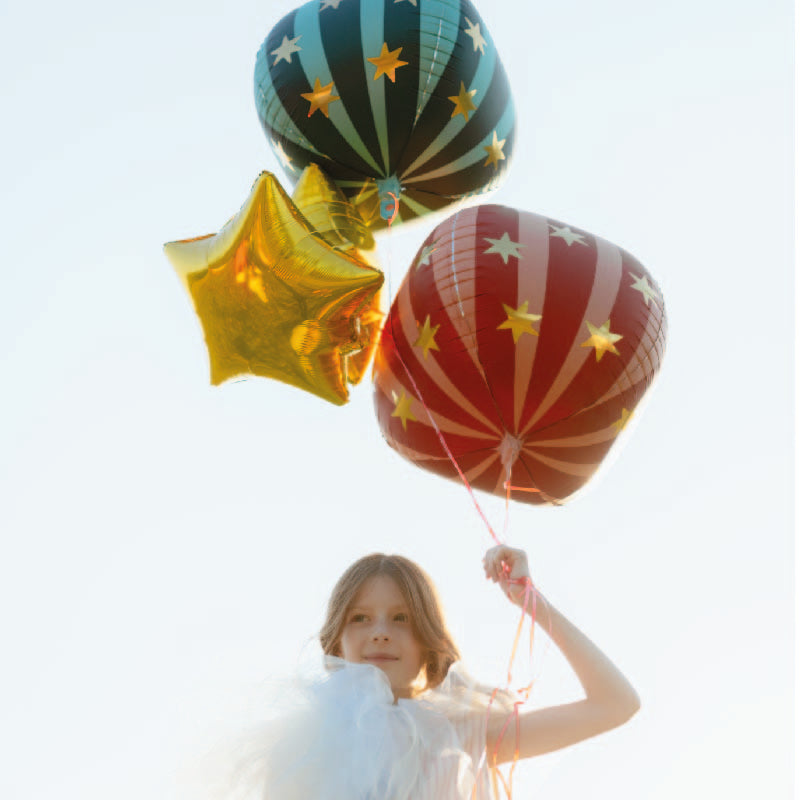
[
  {"x": 529, "y": 343},
  {"x": 330, "y": 214},
  {"x": 405, "y": 104},
  {"x": 275, "y": 299}
]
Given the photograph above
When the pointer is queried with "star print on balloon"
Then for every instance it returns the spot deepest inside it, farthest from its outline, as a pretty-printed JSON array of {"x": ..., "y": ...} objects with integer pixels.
[
  {"x": 387, "y": 62},
  {"x": 287, "y": 47},
  {"x": 494, "y": 151},
  {"x": 486, "y": 346},
  {"x": 320, "y": 98},
  {"x": 463, "y": 102},
  {"x": 275, "y": 299}
]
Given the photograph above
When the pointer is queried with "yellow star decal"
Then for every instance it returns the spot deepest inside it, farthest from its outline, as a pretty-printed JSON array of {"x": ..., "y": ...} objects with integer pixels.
[
  {"x": 425, "y": 338},
  {"x": 519, "y": 321},
  {"x": 320, "y": 98},
  {"x": 387, "y": 62},
  {"x": 463, "y": 102},
  {"x": 623, "y": 420},
  {"x": 642, "y": 285},
  {"x": 495, "y": 151},
  {"x": 602, "y": 339},
  {"x": 275, "y": 299},
  {"x": 402, "y": 408}
]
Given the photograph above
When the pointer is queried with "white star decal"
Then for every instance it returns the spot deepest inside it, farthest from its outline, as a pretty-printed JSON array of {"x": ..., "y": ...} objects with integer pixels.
[
  {"x": 504, "y": 247},
  {"x": 474, "y": 32},
  {"x": 329, "y": 4},
  {"x": 284, "y": 52},
  {"x": 425, "y": 255},
  {"x": 413, "y": 2},
  {"x": 568, "y": 235},
  {"x": 643, "y": 285},
  {"x": 282, "y": 156}
]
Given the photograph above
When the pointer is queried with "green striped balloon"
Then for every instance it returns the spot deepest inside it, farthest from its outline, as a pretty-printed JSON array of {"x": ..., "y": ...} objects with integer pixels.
[{"x": 403, "y": 103}]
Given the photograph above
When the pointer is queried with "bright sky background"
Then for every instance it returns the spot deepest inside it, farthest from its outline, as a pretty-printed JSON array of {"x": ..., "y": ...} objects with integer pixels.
[{"x": 167, "y": 545}]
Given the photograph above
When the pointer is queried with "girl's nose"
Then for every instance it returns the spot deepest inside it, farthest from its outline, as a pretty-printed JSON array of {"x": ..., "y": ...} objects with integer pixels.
[{"x": 380, "y": 632}]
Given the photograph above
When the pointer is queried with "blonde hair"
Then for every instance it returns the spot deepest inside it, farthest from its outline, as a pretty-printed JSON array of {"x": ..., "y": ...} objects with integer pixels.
[{"x": 419, "y": 593}]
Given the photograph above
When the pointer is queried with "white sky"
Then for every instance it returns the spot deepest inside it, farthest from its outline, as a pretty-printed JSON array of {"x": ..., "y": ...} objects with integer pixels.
[{"x": 167, "y": 545}]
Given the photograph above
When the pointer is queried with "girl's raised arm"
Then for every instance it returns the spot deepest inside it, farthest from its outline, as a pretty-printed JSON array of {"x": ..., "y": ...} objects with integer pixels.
[{"x": 610, "y": 699}]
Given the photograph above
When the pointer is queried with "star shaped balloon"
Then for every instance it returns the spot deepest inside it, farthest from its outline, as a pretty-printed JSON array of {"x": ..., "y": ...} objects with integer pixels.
[
  {"x": 276, "y": 299},
  {"x": 337, "y": 220}
]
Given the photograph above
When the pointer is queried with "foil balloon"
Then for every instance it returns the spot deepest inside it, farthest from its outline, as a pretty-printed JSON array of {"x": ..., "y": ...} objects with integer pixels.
[
  {"x": 515, "y": 352},
  {"x": 331, "y": 216},
  {"x": 276, "y": 299},
  {"x": 406, "y": 105}
]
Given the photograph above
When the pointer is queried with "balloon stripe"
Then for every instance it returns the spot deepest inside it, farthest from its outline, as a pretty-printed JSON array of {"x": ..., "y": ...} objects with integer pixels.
[
  {"x": 393, "y": 383},
  {"x": 476, "y": 157},
  {"x": 454, "y": 277},
  {"x": 438, "y": 35},
  {"x": 429, "y": 365},
  {"x": 606, "y": 434},
  {"x": 353, "y": 78},
  {"x": 372, "y": 39},
  {"x": 478, "y": 178},
  {"x": 273, "y": 117},
  {"x": 477, "y": 89},
  {"x": 496, "y": 277},
  {"x": 554, "y": 484},
  {"x": 415, "y": 455},
  {"x": 567, "y": 467},
  {"x": 316, "y": 67},
  {"x": 624, "y": 311},
  {"x": 534, "y": 236},
  {"x": 439, "y": 112},
  {"x": 468, "y": 147},
  {"x": 418, "y": 209},
  {"x": 579, "y": 289},
  {"x": 474, "y": 474},
  {"x": 649, "y": 349},
  {"x": 402, "y": 26},
  {"x": 434, "y": 394}
]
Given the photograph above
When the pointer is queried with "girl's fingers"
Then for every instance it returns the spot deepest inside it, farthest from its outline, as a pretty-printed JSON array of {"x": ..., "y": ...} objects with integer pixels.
[{"x": 504, "y": 563}]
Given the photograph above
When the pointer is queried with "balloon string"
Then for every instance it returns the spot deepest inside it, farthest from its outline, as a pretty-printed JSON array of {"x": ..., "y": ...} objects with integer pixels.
[
  {"x": 444, "y": 445},
  {"x": 396, "y": 208}
]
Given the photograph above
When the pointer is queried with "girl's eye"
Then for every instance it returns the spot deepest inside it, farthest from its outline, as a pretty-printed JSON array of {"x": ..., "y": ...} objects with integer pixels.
[
  {"x": 358, "y": 618},
  {"x": 401, "y": 618}
]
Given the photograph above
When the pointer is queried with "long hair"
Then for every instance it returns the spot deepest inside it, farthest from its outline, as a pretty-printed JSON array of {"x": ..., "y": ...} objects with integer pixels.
[{"x": 419, "y": 593}]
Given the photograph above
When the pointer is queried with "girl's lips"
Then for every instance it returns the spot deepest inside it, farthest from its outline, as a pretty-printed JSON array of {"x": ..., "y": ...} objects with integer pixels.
[{"x": 381, "y": 657}]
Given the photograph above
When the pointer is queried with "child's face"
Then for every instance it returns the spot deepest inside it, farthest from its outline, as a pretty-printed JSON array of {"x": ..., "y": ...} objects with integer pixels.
[{"x": 378, "y": 631}]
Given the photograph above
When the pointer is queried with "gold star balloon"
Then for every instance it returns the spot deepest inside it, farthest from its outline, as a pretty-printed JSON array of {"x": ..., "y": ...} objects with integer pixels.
[
  {"x": 331, "y": 215},
  {"x": 275, "y": 298}
]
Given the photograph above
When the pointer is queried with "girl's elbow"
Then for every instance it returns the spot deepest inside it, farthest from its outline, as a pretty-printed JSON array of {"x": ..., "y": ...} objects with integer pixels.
[{"x": 628, "y": 706}]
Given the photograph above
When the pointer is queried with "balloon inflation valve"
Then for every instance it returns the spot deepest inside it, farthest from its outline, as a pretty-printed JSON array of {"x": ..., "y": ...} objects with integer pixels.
[
  {"x": 509, "y": 449},
  {"x": 389, "y": 194}
]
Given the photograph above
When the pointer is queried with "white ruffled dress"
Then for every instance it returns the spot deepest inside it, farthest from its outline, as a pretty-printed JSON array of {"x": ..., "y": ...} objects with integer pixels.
[{"x": 339, "y": 735}]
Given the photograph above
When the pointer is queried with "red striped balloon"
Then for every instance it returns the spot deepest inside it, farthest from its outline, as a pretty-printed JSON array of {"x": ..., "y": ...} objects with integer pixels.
[{"x": 527, "y": 342}]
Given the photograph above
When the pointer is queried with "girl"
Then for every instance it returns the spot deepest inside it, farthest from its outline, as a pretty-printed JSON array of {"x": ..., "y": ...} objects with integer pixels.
[{"x": 393, "y": 716}]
